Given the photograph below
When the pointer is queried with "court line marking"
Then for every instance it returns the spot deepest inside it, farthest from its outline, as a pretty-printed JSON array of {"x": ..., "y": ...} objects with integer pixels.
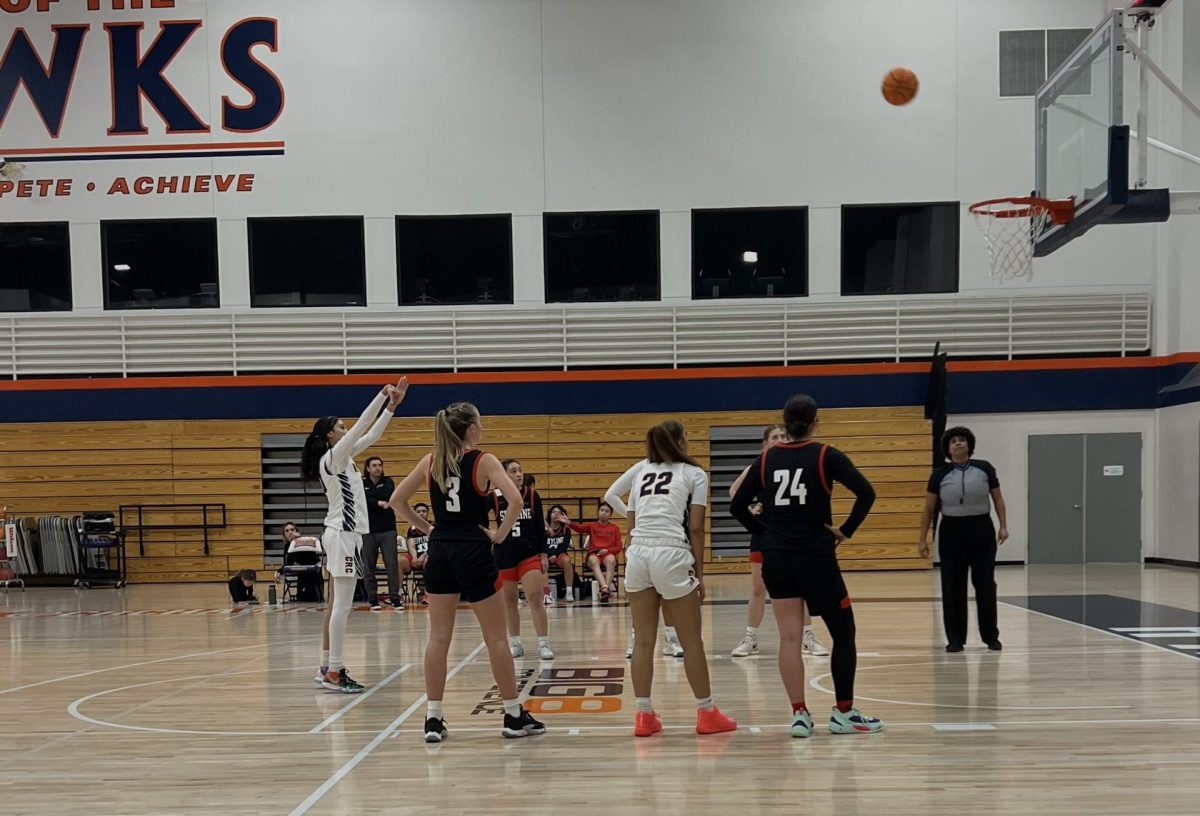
[
  {"x": 74, "y": 708},
  {"x": 1098, "y": 629},
  {"x": 352, "y": 763},
  {"x": 152, "y": 662},
  {"x": 815, "y": 683},
  {"x": 359, "y": 698}
]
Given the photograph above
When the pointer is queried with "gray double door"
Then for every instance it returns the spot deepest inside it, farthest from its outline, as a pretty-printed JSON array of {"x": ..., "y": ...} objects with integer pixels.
[{"x": 1085, "y": 498}]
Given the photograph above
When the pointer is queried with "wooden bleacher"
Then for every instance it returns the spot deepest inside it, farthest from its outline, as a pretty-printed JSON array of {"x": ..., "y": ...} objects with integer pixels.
[{"x": 67, "y": 467}]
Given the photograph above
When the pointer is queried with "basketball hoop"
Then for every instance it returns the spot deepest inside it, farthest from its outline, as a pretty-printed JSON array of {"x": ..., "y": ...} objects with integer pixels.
[{"x": 1011, "y": 227}]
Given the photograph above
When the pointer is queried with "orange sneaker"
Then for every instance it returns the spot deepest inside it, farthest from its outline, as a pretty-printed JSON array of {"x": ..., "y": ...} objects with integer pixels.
[
  {"x": 647, "y": 724},
  {"x": 713, "y": 721}
]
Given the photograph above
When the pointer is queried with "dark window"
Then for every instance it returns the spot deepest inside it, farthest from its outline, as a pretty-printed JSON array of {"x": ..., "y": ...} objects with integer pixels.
[
  {"x": 307, "y": 261},
  {"x": 601, "y": 256},
  {"x": 750, "y": 253},
  {"x": 161, "y": 264},
  {"x": 454, "y": 259},
  {"x": 1030, "y": 56},
  {"x": 899, "y": 249},
  {"x": 35, "y": 267}
]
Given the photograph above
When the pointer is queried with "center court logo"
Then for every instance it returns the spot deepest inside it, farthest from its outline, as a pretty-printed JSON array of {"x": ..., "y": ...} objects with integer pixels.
[{"x": 591, "y": 690}]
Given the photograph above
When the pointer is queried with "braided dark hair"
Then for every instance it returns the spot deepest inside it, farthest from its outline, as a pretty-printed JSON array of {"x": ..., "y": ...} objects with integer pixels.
[{"x": 799, "y": 415}]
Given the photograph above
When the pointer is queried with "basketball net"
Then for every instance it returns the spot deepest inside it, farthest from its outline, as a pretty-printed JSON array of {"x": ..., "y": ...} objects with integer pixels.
[{"x": 1010, "y": 228}]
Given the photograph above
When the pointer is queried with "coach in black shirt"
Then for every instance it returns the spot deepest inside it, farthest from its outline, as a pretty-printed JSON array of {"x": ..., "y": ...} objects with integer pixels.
[
  {"x": 964, "y": 490},
  {"x": 382, "y": 538}
]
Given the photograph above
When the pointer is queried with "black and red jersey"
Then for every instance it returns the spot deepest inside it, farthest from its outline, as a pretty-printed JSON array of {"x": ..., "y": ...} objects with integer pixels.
[
  {"x": 529, "y": 530},
  {"x": 462, "y": 508},
  {"x": 795, "y": 480}
]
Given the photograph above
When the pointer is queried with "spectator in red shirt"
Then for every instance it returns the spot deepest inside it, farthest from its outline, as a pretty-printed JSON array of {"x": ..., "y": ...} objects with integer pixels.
[{"x": 604, "y": 542}]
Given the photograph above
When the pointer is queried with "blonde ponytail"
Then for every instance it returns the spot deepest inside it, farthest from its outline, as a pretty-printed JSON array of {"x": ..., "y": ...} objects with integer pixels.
[{"x": 449, "y": 429}]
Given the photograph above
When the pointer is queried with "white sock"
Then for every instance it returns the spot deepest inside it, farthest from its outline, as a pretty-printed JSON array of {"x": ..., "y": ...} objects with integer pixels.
[
  {"x": 669, "y": 633},
  {"x": 752, "y": 632},
  {"x": 570, "y": 594},
  {"x": 324, "y": 658},
  {"x": 512, "y": 708},
  {"x": 434, "y": 709},
  {"x": 343, "y": 599},
  {"x": 704, "y": 704},
  {"x": 543, "y": 641},
  {"x": 643, "y": 704}
]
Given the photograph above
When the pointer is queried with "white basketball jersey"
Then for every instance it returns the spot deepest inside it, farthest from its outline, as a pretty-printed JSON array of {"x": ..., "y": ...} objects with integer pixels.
[
  {"x": 659, "y": 498},
  {"x": 345, "y": 494}
]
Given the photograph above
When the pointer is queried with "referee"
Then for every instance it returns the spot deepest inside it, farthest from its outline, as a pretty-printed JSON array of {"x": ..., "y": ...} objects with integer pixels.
[{"x": 965, "y": 489}]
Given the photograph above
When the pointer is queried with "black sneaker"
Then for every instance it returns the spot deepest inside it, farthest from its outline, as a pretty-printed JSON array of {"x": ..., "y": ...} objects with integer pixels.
[
  {"x": 954, "y": 647},
  {"x": 375, "y": 605},
  {"x": 397, "y": 602},
  {"x": 435, "y": 730},
  {"x": 523, "y": 725},
  {"x": 995, "y": 645}
]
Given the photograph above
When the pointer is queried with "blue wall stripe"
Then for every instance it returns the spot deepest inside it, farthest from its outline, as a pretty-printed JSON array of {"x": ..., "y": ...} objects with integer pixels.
[{"x": 967, "y": 392}]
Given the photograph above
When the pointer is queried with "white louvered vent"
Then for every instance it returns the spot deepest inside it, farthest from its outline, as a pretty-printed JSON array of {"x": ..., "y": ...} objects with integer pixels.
[{"x": 506, "y": 337}]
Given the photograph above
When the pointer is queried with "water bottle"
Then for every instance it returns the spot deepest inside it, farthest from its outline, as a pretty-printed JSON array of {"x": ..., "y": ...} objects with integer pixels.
[
  {"x": 552, "y": 588},
  {"x": 271, "y": 595}
]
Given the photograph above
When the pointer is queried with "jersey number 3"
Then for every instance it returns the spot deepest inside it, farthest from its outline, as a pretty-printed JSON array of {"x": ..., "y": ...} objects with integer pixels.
[
  {"x": 655, "y": 483},
  {"x": 791, "y": 485},
  {"x": 452, "y": 504}
]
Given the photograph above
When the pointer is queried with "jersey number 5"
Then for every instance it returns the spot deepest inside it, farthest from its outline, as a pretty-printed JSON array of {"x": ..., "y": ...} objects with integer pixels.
[
  {"x": 452, "y": 503},
  {"x": 659, "y": 487},
  {"x": 790, "y": 485}
]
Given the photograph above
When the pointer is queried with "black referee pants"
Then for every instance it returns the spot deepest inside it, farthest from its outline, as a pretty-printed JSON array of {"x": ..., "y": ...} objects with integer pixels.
[{"x": 968, "y": 543}]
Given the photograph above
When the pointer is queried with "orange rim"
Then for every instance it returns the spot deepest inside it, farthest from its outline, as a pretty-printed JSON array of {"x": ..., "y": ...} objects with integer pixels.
[{"x": 1061, "y": 210}]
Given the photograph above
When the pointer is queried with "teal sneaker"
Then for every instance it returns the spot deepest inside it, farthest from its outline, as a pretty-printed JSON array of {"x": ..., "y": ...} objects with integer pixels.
[{"x": 802, "y": 724}]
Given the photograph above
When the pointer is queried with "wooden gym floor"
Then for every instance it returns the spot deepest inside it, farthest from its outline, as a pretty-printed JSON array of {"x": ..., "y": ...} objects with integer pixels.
[{"x": 167, "y": 703}]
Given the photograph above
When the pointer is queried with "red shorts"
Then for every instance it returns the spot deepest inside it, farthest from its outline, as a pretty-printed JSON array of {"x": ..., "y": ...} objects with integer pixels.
[
  {"x": 407, "y": 555},
  {"x": 514, "y": 574},
  {"x": 601, "y": 553},
  {"x": 756, "y": 557}
]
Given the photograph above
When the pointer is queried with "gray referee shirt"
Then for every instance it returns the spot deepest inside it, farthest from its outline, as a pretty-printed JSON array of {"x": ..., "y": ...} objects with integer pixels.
[{"x": 964, "y": 490}]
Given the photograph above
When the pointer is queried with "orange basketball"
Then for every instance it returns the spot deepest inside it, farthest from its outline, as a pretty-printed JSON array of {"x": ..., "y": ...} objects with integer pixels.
[{"x": 899, "y": 86}]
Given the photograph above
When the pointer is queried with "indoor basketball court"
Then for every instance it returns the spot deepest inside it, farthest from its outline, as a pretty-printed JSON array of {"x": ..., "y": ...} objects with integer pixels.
[{"x": 965, "y": 230}]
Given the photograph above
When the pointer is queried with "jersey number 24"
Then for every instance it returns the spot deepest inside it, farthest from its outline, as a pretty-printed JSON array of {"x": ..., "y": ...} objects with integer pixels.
[{"x": 791, "y": 485}]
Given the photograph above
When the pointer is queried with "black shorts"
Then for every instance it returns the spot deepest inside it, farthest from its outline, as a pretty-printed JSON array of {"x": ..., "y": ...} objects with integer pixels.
[
  {"x": 813, "y": 576},
  {"x": 511, "y": 554},
  {"x": 464, "y": 568}
]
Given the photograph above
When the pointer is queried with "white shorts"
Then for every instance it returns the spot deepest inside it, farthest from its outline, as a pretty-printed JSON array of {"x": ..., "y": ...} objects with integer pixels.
[
  {"x": 662, "y": 565},
  {"x": 344, "y": 552}
]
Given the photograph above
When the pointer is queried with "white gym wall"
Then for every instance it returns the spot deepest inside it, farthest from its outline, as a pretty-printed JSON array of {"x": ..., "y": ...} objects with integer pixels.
[{"x": 454, "y": 106}]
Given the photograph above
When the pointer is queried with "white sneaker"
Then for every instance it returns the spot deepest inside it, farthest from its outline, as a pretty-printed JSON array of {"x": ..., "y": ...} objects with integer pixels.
[
  {"x": 548, "y": 600},
  {"x": 629, "y": 648},
  {"x": 570, "y": 596},
  {"x": 812, "y": 646},
  {"x": 748, "y": 646},
  {"x": 516, "y": 648},
  {"x": 672, "y": 648},
  {"x": 320, "y": 678},
  {"x": 544, "y": 652}
]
